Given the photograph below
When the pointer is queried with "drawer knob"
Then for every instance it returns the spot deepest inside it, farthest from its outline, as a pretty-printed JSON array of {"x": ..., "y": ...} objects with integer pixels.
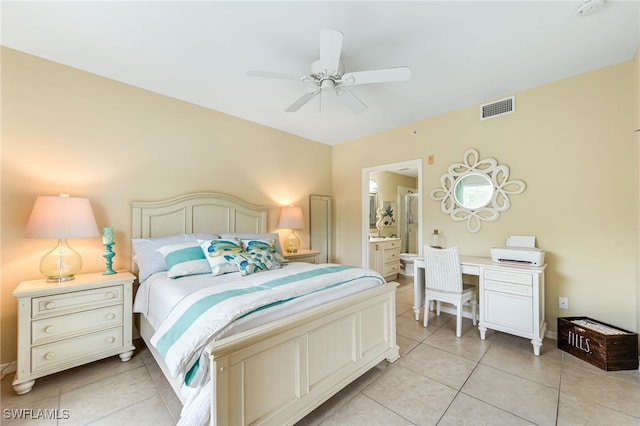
[
  {"x": 50, "y": 305},
  {"x": 49, "y": 329},
  {"x": 110, "y": 295},
  {"x": 111, "y": 339},
  {"x": 111, "y": 316},
  {"x": 49, "y": 356}
]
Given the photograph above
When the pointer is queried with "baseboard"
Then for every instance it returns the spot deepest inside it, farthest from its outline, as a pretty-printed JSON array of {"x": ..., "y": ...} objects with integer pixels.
[{"x": 7, "y": 368}]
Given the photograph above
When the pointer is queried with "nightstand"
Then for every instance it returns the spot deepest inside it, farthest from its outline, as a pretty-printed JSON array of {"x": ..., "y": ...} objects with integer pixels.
[
  {"x": 67, "y": 324},
  {"x": 302, "y": 255}
]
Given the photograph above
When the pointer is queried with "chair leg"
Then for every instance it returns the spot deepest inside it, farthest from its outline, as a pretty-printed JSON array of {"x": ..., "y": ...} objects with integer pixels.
[
  {"x": 437, "y": 307},
  {"x": 459, "y": 320}
]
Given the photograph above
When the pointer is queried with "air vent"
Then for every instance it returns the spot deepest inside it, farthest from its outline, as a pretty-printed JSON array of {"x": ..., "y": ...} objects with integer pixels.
[{"x": 501, "y": 107}]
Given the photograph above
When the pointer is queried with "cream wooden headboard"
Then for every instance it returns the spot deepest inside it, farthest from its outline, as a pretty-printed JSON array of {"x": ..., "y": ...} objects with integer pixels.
[{"x": 206, "y": 212}]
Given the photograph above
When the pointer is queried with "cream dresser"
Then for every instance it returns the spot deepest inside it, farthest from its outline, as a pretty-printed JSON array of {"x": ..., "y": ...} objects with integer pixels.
[
  {"x": 63, "y": 325},
  {"x": 384, "y": 256}
]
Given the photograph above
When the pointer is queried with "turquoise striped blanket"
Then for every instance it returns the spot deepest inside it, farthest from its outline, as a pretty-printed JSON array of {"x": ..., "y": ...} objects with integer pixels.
[{"x": 198, "y": 318}]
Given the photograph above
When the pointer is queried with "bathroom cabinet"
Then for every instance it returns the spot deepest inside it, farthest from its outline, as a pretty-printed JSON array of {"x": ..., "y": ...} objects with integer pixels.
[{"x": 384, "y": 257}]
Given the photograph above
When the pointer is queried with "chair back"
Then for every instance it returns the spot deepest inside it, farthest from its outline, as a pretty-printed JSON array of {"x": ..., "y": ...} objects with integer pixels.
[{"x": 442, "y": 269}]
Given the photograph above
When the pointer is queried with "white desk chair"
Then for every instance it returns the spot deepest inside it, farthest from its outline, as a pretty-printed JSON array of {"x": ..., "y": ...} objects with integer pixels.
[{"x": 443, "y": 282}]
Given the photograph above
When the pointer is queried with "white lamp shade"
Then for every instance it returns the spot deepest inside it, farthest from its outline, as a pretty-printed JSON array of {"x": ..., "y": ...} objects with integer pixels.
[
  {"x": 61, "y": 217},
  {"x": 291, "y": 218}
]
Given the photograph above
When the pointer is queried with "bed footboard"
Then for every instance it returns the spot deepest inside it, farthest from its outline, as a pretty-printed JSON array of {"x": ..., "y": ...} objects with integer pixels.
[{"x": 282, "y": 371}]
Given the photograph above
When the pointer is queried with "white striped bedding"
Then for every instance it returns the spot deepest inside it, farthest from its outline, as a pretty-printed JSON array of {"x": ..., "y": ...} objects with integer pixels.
[{"x": 216, "y": 303}]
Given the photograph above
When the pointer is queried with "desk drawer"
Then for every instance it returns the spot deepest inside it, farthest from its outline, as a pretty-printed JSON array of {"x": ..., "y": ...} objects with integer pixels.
[
  {"x": 56, "y": 328},
  {"x": 470, "y": 270},
  {"x": 53, "y": 354},
  {"x": 509, "y": 277},
  {"x": 508, "y": 288},
  {"x": 76, "y": 301}
]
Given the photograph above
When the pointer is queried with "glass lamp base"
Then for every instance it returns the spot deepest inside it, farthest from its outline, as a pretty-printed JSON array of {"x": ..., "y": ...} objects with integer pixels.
[
  {"x": 60, "y": 279},
  {"x": 293, "y": 243},
  {"x": 61, "y": 263}
]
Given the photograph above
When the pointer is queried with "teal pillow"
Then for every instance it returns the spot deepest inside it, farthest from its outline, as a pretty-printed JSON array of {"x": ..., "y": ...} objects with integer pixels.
[{"x": 184, "y": 259}]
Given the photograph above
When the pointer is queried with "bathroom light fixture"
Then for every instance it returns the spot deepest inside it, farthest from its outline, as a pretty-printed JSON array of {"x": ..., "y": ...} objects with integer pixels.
[
  {"x": 291, "y": 218},
  {"x": 61, "y": 217},
  {"x": 373, "y": 185}
]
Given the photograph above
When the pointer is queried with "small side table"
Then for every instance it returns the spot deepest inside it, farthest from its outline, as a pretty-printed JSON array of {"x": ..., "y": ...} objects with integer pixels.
[
  {"x": 302, "y": 255},
  {"x": 67, "y": 324}
]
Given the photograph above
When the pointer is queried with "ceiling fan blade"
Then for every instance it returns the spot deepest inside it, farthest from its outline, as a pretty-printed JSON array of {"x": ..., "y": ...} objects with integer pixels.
[
  {"x": 302, "y": 100},
  {"x": 350, "y": 100},
  {"x": 376, "y": 76},
  {"x": 330, "y": 50},
  {"x": 270, "y": 74}
]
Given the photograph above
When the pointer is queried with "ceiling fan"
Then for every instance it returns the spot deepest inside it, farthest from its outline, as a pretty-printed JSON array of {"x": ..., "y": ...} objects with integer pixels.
[{"x": 328, "y": 75}]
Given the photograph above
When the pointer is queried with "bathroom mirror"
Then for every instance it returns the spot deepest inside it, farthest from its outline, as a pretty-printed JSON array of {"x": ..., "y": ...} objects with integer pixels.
[
  {"x": 473, "y": 190},
  {"x": 476, "y": 190},
  {"x": 373, "y": 207}
]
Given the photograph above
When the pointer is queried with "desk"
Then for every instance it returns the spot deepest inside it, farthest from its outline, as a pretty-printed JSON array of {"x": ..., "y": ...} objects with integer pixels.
[{"x": 511, "y": 297}]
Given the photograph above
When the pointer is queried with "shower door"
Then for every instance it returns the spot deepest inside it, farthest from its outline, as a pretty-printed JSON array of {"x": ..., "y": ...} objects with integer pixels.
[{"x": 409, "y": 222}]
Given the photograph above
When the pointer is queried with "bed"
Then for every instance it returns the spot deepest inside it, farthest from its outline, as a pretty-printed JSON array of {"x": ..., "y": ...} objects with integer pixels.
[{"x": 272, "y": 371}]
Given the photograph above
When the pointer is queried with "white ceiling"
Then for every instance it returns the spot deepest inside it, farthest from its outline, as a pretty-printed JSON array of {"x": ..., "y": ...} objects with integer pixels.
[{"x": 460, "y": 53}]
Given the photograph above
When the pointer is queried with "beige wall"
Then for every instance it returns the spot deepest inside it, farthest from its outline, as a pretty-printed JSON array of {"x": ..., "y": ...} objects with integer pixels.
[
  {"x": 64, "y": 130},
  {"x": 573, "y": 143}
]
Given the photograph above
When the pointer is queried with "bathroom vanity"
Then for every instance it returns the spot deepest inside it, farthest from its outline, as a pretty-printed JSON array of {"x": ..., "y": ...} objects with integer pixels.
[{"x": 384, "y": 256}]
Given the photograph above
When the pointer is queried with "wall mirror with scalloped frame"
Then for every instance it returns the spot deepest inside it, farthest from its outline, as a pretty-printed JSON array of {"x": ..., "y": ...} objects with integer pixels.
[{"x": 476, "y": 190}]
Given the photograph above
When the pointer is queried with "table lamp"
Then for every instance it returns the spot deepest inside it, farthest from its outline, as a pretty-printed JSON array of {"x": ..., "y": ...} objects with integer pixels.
[
  {"x": 291, "y": 218},
  {"x": 61, "y": 217}
]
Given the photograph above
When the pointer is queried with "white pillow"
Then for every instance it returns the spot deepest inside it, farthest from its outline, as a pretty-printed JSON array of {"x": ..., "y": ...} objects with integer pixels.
[
  {"x": 146, "y": 254},
  {"x": 184, "y": 259},
  {"x": 221, "y": 253}
]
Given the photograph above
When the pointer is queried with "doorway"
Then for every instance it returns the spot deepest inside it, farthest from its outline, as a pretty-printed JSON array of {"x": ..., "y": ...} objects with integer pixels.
[{"x": 409, "y": 168}]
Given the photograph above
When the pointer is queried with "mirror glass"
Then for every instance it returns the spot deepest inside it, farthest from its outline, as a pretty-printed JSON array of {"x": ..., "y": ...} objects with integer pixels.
[
  {"x": 473, "y": 191},
  {"x": 373, "y": 206}
]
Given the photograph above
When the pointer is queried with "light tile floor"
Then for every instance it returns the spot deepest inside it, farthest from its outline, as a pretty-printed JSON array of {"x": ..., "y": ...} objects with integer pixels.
[{"x": 439, "y": 379}]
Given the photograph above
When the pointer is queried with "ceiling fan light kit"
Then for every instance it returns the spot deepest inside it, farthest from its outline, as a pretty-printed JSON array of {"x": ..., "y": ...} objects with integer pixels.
[
  {"x": 588, "y": 7},
  {"x": 328, "y": 75}
]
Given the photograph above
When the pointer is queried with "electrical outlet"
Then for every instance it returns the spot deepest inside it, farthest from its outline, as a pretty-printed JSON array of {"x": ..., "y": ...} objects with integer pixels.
[{"x": 563, "y": 303}]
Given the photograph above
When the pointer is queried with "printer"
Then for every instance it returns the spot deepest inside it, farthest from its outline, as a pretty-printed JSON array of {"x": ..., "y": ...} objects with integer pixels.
[{"x": 520, "y": 250}]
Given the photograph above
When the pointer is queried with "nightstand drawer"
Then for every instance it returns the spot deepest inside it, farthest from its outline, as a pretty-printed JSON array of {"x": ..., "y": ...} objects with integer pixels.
[
  {"x": 53, "y": 354},
  {"x": 76, "y": 301},
  {"x": 56, "y": 328}
]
